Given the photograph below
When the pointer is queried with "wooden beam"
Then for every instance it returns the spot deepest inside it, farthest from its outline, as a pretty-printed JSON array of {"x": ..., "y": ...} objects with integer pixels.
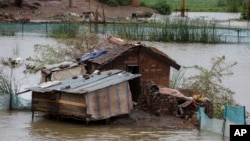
[
  {"x": 61, "y": 102},
  {"x": 72, "y": 103}
]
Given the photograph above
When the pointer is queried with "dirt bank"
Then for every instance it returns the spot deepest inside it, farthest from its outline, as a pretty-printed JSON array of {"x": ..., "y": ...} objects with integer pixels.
[
  {"x": 44, "y": 9},
  {"x": 141, "y": 118}
]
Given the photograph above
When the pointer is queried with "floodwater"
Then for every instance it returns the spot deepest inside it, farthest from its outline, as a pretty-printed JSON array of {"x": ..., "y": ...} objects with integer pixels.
[{"x": 19, "y": 125}]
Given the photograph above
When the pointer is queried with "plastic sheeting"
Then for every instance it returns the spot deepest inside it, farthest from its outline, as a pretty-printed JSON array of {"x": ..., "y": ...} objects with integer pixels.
[
  {"x": 92, "y": 55},
  {"x": 222, "y": 126},
  {"x": 18, "y": 103},
  {"x": 235, "y": 114}
]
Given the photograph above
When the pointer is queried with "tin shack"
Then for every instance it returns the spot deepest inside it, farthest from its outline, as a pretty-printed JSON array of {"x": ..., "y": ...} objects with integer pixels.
[
  {"x": 87, "y": 97},
  {"x": 115, "y": 53}
]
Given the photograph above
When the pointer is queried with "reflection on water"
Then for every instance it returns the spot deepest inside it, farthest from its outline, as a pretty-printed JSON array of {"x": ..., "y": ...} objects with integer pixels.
[{"x": 19, "y": 126}]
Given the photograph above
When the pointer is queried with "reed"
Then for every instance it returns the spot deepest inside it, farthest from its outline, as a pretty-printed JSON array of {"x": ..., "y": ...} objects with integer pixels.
[
  {"x": 5, "y": 84},
  {"x": 176, "y": 30},
  {"x": 177, "y": 78}
]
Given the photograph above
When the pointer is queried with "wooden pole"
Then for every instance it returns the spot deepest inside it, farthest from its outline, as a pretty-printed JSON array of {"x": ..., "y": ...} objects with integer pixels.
[
  {"x": 248, "y": 15},
  {"x": 182, "y": 8},
  {"x": 70, "y": 3}
]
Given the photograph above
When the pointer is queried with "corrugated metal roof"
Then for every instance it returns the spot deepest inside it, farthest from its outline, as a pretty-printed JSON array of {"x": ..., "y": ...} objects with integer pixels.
[{"x": 81, "y": 85}]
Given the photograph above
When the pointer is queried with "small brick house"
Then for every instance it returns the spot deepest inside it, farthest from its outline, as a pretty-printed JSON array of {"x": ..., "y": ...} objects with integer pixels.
[{"x": 151, "y": 63}]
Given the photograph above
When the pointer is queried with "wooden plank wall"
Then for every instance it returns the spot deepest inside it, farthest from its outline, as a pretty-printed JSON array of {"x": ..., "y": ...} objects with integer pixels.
[{"x": 62, "y": 104}]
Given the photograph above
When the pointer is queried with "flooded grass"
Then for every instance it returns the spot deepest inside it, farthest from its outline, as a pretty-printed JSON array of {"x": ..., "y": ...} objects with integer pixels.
[
  {"x": 177, "y": 30},
  {"x": 5, "y": 86}
]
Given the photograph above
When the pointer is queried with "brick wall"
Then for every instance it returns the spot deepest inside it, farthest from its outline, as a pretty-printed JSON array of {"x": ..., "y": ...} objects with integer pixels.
[{"x": 153, "y": 70}]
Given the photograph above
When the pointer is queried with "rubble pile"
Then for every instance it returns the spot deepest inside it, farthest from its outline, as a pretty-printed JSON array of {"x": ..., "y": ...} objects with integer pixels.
[{"x": 154, "y": 100}]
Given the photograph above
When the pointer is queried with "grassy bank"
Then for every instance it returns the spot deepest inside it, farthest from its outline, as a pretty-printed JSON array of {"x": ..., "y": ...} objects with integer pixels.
[{"x": 195, "y": 5}]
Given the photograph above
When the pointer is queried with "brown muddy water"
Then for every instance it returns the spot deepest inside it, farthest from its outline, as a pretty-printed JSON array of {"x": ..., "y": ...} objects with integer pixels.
[{"x": 19, "y": 125}]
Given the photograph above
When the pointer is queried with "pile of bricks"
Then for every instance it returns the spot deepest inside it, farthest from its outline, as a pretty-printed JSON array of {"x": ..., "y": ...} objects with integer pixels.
[{"x": 164, "y": 104}]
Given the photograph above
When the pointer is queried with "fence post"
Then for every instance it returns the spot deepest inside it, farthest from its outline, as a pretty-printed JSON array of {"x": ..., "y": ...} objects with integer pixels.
[
  {"x": 114, "y": 29},
  {"x": 238, "y": 35},
  {"x": 22, "y": 29},
  {"x": 46, "y": 26},
  {"x": 137, "y": 32}
]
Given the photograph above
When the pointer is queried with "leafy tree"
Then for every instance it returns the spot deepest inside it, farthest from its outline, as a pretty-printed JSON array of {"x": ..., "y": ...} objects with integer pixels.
[{"x": 209, "y": 81}]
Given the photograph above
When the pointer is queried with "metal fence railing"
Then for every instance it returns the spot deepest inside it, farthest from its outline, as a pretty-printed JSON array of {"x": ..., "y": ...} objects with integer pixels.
[{"x": 140, "y": 30}]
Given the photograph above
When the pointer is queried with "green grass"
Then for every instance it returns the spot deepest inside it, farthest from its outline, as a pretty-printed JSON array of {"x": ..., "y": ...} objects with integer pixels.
[{"x": 191, "y": 5}]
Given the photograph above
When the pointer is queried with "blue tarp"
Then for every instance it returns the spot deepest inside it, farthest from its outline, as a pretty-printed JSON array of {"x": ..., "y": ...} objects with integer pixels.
[{"x": 93, "y": 55}]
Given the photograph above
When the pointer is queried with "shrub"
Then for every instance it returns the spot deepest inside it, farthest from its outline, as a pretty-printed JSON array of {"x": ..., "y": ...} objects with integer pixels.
[
  {"x": 112, "y": 3},
  {"x": 209, "y": 81},
  {"x": 163, "y": 7},
  {"x": 124, "y": 2}
]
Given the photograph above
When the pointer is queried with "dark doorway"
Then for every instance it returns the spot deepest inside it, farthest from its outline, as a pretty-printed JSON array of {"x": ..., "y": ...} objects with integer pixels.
[{"x": 134, "y": 84}]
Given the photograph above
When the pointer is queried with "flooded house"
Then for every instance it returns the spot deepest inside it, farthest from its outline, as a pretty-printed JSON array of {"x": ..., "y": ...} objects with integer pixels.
[
  {"x": 98, "y": 96},
  {"x": 91, "y": 97},
  {"x": 115, "y": 53}
]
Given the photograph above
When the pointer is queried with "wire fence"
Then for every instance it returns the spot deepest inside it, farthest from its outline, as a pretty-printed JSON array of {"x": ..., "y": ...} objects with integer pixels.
[{"x": 140, "y": 31}]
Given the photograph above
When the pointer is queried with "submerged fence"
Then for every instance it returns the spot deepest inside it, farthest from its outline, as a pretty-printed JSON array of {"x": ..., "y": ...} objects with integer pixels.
[
  {"x": 138, "y": 31},
  {"x": 232, "y": 115},
  {"x": 14, "y": 101}
]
